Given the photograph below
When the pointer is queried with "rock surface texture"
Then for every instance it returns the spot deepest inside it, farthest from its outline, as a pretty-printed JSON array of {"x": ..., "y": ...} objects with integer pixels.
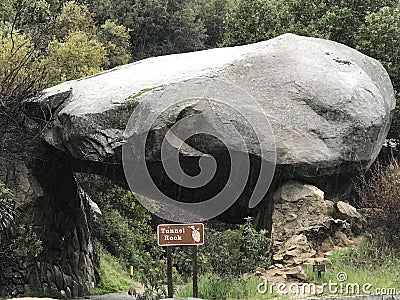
[
  {"x": 307, "y": 227},
  {"x": 329, "y": 107},
  {"x": 53, "y": 205}
]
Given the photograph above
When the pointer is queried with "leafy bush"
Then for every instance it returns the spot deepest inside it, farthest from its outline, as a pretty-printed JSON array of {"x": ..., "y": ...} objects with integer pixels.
[
  {"x": 21, "y": 245},
  {"x": 20, "y": 70},
  {"x": 254, "y": 246},
  {"x": 78, "y": 56},
  {"x": 7, "y": 209},
  {"x": 115, "y": 39},
  {"x": 25, "y": 243},
  {"x": 153, "y": 278},
  {"x": 118, "y": 238},
  {"x": 380, "y": 196},
  {"x": 231, "y": 252},
  {"x": 125, "y": 232}
]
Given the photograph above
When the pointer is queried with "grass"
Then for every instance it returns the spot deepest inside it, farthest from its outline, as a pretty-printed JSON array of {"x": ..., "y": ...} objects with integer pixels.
[
  {"x": 363, "y": 270},
  {"x": 141, "y": 92},
  {"x": 212, "y": 287},
  {"x": 360, "y": 267},
  {"x": 113, "y": 277}
]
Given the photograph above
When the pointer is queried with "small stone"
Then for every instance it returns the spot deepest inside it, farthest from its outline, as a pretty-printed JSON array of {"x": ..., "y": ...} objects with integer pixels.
[{"x": 348, "y": 210}]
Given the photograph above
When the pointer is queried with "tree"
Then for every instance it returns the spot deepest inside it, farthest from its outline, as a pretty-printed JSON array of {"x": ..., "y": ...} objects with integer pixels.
[
  {"x": 212, "y": 14},
  {"x": 21, "y": 76},
  {"x": 77, "y": 57},
  {"x": 253, "y": 21},
  {"x": 5, "y": 10},
  {"x": 379, "y": 37},
  {"x": 17, "y": 67},
  {"x": 74, "y": 17},
  {"x": 115, "y": 39},
  {"x": 165, "y": 28},
  {"x": 157, "y": 27}
]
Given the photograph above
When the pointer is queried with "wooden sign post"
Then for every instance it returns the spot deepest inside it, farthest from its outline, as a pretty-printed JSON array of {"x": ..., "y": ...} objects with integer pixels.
[
  {"x": 194, "y": 268},
  {"x": 169, "y": 235},
  {"x": 169, "y": 273}
]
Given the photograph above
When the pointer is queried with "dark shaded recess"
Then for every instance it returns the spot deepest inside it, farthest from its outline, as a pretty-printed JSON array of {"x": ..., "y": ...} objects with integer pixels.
[
  {"x": 58, "y": 213},
  {"x": 388, "y": 153},
  {"x": 61, "y": 166}
]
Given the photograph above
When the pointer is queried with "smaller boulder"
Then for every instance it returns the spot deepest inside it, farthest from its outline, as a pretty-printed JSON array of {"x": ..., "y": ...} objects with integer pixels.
[{"x": 306, "y": 225}]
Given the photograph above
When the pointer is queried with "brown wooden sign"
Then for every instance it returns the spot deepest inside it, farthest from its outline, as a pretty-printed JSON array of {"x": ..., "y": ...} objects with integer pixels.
[{"x": 180, "y": 234}]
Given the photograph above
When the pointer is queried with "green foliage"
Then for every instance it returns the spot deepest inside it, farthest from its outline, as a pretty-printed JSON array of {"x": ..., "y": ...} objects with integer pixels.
[
  {"x": 5, "y": 10},
  {"x": 21, "y": 77},
  {"x": 156, "y": 27},
  {"x": 379, "y": 36},
  {"x": 25, "y": 244},
  {"x": 166, "y": 27},
  {"x": 118, "y": 238},
  {"x": 78, "y": 56},
  {"x": 235, "y": 251},
  {"x": 20, "y": 245},
  {"x": 115, "y": 39},
  {"x": 221, "y": 252},
  {"x": 212, "y": 14},
  {"x": 25, "y": 15},
  {"x": 365, "y": 263},
  {"x": 141, "y": 92},
  {"x": 7, "y": 210},
  {"x": 254, "y": 246},
  {"x": 338, "y": 20},
  {"x": 253, "y": 21},
  {"x": 130, "y": 209},
  {"x": 19, "y": 67},
  {"x": 213, "y": 286},
  {"x": 113, "y": 277},
  {"x": 73, "y": 17},
  {"x": 228, "y": 252},
  {"x": 153, "y": 277},
  {"x": 125, "y": 231}
]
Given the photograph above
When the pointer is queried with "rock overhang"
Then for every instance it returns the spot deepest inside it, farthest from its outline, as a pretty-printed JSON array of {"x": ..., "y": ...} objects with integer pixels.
[{"x": 329, "y": 106}]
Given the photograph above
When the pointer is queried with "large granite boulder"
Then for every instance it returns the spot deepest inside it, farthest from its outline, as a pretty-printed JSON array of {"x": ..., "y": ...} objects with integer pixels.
[{"x": 328, "y": 105}]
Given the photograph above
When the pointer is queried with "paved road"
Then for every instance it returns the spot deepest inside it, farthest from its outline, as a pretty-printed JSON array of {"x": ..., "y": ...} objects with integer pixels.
[{"x": 115, "y": 296}]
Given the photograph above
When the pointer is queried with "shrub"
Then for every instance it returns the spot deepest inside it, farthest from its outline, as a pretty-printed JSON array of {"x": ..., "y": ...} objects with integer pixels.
[
  {"x": 77, "y": 56},
  {"x": 380, "y": 197},
  {"x": 230, "y": 251},
  {"x": 117, "y": 237},
  {"x": 7, "y": 210}
]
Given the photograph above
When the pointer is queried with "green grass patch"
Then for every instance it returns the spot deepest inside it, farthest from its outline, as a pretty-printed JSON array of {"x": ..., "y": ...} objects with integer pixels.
[
  {"x": 113, "y": 277},
  {"x": 212, "y": 286},
  {"x": 359, "y": 271},
  {"x": 141, "y": 92}
]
